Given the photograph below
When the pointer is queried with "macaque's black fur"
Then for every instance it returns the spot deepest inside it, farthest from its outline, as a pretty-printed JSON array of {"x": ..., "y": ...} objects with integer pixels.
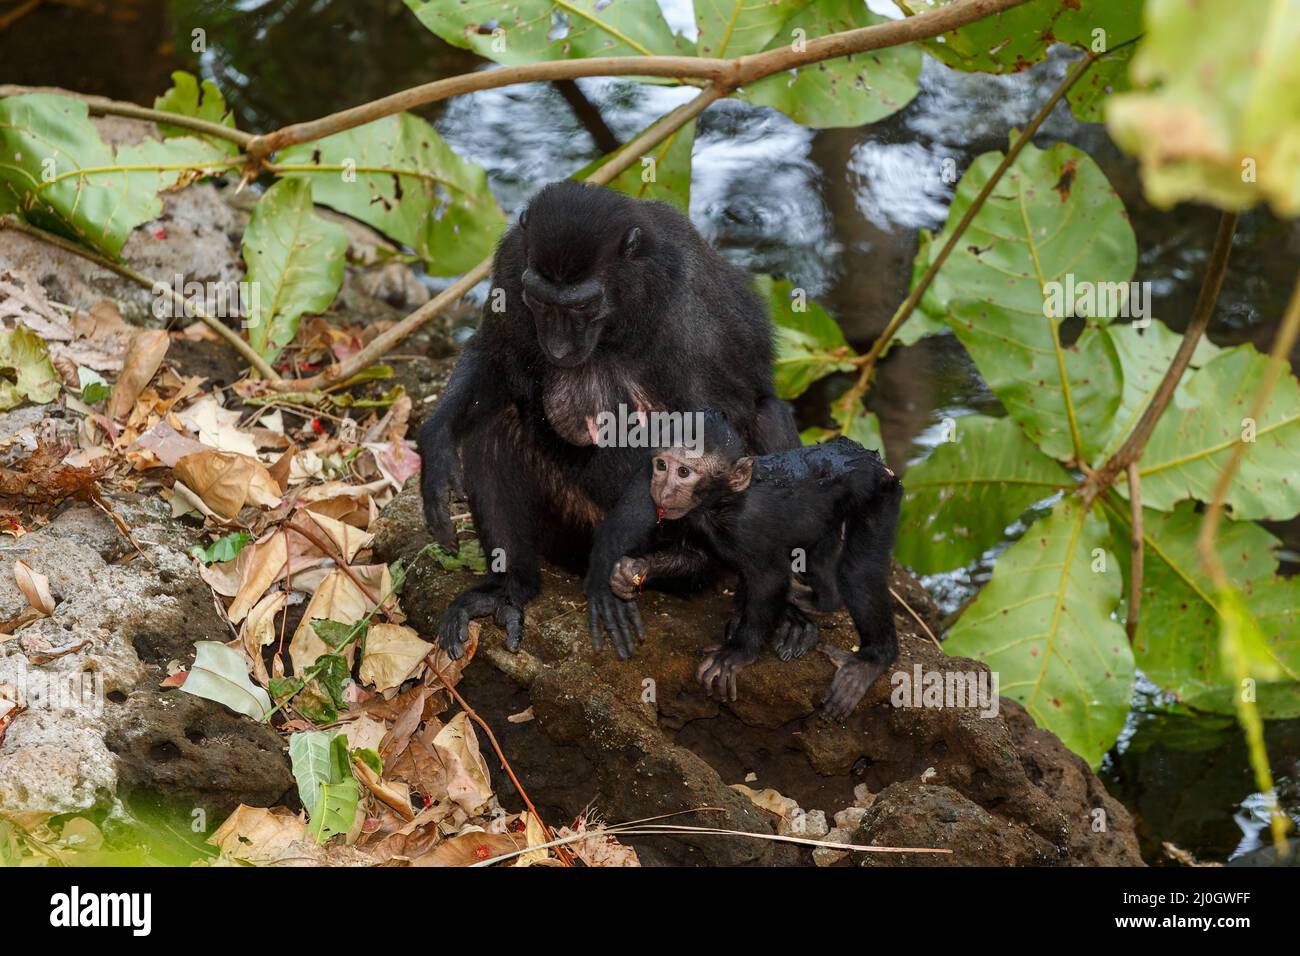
[
  {"x": 626, "y": 303},
  {"x": 836, "y": 501}
]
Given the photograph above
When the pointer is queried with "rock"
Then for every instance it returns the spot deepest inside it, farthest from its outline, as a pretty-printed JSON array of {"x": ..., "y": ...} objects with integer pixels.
[
  {"x": 120, "y": 618},
  {"x": 647, "y": 741},
  {"x": 825, "y": 856}
]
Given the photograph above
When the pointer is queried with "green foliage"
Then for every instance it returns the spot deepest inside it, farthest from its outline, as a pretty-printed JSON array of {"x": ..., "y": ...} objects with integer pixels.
[
  {"x": 25, "y": 358},
  {"x": 93, "y": 387},
  {"x": 1045, "y": 624},
  {"x": 730, "y": 28},
  {"x": 398, "y": 175},
  {"x": 59, "y": 175},
  {"x": 296, "y": 260},
  {"x": 845, "y": 91},
  {"x": 326, "y": 785},
  {"x": 1218, "y": 119},
  {"x": 188, "y": 98},
  {"x": 809, "y": 343},
  {"x": 534, "y": 31},
  {"x": 961, "y": 499},
  {"x": 226, "y": 548},
  {"x": 469, "y": 557},
  {"x": 663, "y": 174}
]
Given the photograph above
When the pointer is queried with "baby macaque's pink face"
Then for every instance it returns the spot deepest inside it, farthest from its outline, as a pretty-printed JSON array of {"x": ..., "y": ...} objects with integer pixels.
[{"x": 680, "y": 479}]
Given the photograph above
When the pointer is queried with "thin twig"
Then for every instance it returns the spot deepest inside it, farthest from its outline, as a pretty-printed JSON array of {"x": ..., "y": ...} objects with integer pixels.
[
  {"x": 726, "y": 73},
  {"x": 1206, "y": 299},
  {"x": 245, "y": 350},
  {"x": 1135, "y": 552},
  {"x": 13, "y": 16},
  {"x": 905, "y": 309},
  {"x": 505, "y": 764},
  {"x": 916, "y": 617}
]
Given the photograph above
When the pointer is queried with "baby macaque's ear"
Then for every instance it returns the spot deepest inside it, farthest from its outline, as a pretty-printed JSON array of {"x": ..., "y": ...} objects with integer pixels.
[{"x": 741, "y": 473}]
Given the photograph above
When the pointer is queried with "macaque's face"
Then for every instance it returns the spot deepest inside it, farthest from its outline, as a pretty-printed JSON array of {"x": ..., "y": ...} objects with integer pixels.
[
  {"x": 571, "y": 281},
  {"x": 680, "y": 481}
]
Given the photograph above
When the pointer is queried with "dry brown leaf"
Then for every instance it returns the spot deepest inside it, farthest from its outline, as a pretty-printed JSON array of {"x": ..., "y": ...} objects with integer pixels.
[
  {"x": 217, "y": 427},
  {"x": 143, "y": 356},
  {"x": 280, "y": 470},
  {"x": 599, "y": 849},
  {"x": 347, "y": 539},
  {"x": 535, "y": 835},
  {"x": 259, "y": 630},
  {"x": 468, "y": 784},
  {"x": 466, "y": 849},
  {"x": 35, "y": 587},
  {"x": 393, "y": 654},
  {"x": 390, "y": 793},
  {"x": 769, "y": 800},
  {"x": 337, "y": 599},
  {"x": 261, "y": 564},
  {"x": 397, "y": 739},
  {"x": 260, "y": 836},
  {"x": 365, "y": 733},
  {"x": 226, "y": 481}
]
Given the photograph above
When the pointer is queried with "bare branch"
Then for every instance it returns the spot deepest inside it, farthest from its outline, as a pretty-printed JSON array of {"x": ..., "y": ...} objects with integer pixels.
[{"x": 1135, "y": 552}]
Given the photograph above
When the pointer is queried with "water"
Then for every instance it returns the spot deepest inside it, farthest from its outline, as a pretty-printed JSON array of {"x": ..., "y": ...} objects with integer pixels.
[{"x": 835, "y": 211}]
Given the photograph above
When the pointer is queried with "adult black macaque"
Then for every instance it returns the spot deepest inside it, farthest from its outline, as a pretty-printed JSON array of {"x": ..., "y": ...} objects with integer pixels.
[
  {"x": 597, "y": 300},
  {"x": 836, "y": 504}
]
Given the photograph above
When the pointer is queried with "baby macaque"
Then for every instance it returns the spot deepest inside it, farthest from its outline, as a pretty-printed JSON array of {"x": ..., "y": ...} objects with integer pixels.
[{"x": 827, "y": 511}]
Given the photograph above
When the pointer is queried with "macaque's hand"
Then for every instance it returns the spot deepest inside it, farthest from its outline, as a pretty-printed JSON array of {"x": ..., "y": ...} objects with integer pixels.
[
  {"x": 628, "y": 576},
  {"x": 440, "y": 476},
  {"x": 621, "y": 617},
  {"x": 853, "y": 678},
  {"x": 717, "y": 672}
]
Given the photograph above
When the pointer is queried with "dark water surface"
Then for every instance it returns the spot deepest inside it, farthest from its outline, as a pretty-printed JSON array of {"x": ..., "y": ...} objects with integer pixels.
[{"x": 836, "y": 211}]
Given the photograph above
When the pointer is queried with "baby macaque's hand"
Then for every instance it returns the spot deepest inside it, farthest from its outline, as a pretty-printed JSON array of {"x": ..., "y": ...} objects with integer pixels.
[
  {"x": 628, "y": 576},
  {"x": 853, "y": 678}
]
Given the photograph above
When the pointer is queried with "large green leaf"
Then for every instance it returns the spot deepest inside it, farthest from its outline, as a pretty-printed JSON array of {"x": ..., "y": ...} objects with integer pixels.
[
  {"x": 531, "y": 31},
  {"x": 295, "y": 259},
  {"x": 960, "y": 500},
  {"x": 1197, "y": 433},
  {"x": 326, "y": 784},
  {"x": 1052, "y": 229},
  {"x": 730, "y": 28},
  {"x": 1144, "y": 356},
  {"x": 399, "y": 176},
  {"x": 846, "y": 91},
  {"x": 667, "y": 178},
  {"x": 26, "y": 372},
  {"x": 188, "y": 98},
  {"x": 1015, "y": 39},
  {"x": 59, "y": 175},
  {"x": 1178, "y": 637},
  {"x": 1045, "y": 623},
  {"x": 1219, "y": 121},
  {"x": 809, "y": 343}
]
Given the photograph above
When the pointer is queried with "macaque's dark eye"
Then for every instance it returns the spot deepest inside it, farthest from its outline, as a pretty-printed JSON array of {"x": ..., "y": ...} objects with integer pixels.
[
  {"x": 660, "y": 465},
  {"x": 632, "y": 240},
  {"x": 683, "y": 471}
]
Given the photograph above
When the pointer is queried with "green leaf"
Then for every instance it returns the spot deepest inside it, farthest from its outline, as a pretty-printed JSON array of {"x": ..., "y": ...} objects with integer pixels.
[
  {"x": 282, "y": 687},
  {"x": 469, "y": 557},
  {"x": 59, "y": 175},
  {"x": 1052, "y": 230},
  {"x": 670, "y": 169},
  {"x": 1107, "y": 76},
  {"x": 93, "y": 387},
  {"x": 295, "y": 264},
  {"x": 731, "y": 28},
  {"x": 1144, "y": 357},
  {"x": 1015, "y": 39},
  {"x": 220, "y": 674},
  {"x": 332, "y": 672},
  {"x": 223, "y": 549},
  {"x": 398, "y": 175},
  {"x": 809, "y": 343},
  {"x": 26, "y": 373},
  {"x": 370, "y": 758},
  {"x": 1178, "y": 637},
  {"x": 860, "y": 425},
  {"x": 846, "y": 91},
  {"x": 927, "y": 317},
  {"x": 959, "y": 501},
  {"x": 315, "y": 703},
  {"x": 1193, "y": 439},
  {"x": 326, "y": 786},
  {"x": 338, "y": 635},
  {"x": 1219, "y": 118},
  {"x": 188, "y": 98},
  {"x": 534, "y": 31},
  {"x": 1045, "y": 624}
]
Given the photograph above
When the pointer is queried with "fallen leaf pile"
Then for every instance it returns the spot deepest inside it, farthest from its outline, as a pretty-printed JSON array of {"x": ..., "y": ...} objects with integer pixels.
[{"x": 287, "y": 489}]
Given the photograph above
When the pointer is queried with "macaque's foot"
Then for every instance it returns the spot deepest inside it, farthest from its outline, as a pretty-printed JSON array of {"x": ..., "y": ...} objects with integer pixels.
[
  {"x": 853, "y": 678},
  {"x": 622, "y": 618},
  {"x": 796, "y": 634},
  {"x": 801, "y": 596},
  {"x": 717, "y": 672},
  {"x": 492, "y": 599},
  {"x": 628, "y": 576}
]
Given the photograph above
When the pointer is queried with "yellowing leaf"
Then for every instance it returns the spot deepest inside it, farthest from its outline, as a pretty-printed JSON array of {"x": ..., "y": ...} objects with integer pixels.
[
  {"x": 24, "y": 356},
  {"x": 468, "y": 784},
  {"x": 393, "y": 653},
  {"x": 226, "y": 481},
  {"x": 143, "y": 356}
]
